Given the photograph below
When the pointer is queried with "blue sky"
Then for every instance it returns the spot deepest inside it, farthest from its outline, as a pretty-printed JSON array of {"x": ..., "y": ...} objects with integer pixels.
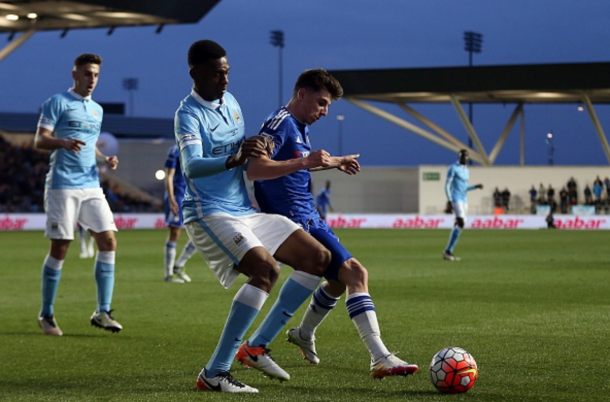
[{"x": 341, "y": 34}]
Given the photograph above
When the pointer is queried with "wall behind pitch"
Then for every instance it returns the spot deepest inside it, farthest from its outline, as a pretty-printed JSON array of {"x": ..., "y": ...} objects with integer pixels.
[{"x": 518, "y": 180}]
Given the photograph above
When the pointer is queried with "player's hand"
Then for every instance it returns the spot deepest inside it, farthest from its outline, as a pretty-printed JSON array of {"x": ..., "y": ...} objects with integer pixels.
[
  {"x": 252, "y": 147},
  {"x": 112, "y": 162},
  {"x": 319, "y": 159},
  {"x": 173, "y": 206},
  {"x": 349, "y": 164},
  {"x": 479, "y": 186},
  {"x": 74, "y": 145}
]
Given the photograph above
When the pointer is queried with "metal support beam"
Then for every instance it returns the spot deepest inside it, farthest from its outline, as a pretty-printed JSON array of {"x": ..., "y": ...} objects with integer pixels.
[
  {"x": 471, "y": 133},
  {"x": 598, "y": 127},
  {"x": 509, "y": 126},
  {"x": 522, "y": 137},
  {"x": 411, "y": 127},
  {"x": 14, "y": 44},
  {"x": 433, "y": 126}
]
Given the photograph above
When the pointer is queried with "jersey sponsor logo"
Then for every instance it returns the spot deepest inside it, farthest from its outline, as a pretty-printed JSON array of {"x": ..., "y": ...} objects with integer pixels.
[
  {"x": 238, "y": 239},
  {"x": 226, "y": 148},
  {"x": 301, "y": 154}
]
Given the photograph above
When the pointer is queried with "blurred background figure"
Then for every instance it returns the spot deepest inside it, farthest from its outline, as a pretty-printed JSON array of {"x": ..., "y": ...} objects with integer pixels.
[{"x": 323, "y": 200}]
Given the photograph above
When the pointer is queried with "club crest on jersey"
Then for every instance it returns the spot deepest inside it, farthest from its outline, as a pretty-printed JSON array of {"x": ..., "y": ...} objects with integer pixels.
[
  {"x": 239, "y": 239},
  {"x": 237, "y": 118}
]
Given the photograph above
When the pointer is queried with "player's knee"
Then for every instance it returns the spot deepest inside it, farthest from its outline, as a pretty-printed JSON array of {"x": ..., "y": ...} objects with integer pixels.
[
  {"x": 265, "y": 273},
  {"x": 320, "y": 259},
  {"x": 356, "y": 274}
]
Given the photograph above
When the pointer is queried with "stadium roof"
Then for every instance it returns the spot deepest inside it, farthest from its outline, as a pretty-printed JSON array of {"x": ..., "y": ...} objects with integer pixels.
[
  {"x": 585, "y": 83},
  {"x": 52, "y": 14},
  {"x": 29, "y": 17}
]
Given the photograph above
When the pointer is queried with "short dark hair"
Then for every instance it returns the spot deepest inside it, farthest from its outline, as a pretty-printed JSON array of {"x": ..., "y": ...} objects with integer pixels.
[
  {"x": 316, "y": 80},
  {"x": 463, "y": 151},
  {"x": 87, "y": 58},
  {"x": 204, "y": 50}
]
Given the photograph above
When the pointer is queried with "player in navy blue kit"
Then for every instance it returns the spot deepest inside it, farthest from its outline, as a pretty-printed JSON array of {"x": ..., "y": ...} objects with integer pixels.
[
  {"x": 229, "y": 233},
  {"x": 69, "y": 127},
  {"x": 174, "y": 193},
  {"x": 456, "y": 187},
  {"x": 288, "y": 195},
  {"x": 323, "y": 200}
]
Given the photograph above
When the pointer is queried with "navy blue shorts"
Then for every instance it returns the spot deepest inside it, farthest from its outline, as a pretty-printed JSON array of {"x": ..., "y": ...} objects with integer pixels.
[
  {"x": 170, "y": 218},
  {"x": 320, "y": 231}
]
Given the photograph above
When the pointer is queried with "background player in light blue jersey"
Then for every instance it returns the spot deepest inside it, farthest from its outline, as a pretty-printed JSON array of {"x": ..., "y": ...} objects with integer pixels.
[
  {"x": 456, "y": 187},
  {"x": 323, "y": 200},
  {"x": 69, "y": 126},
  {"x": 174, "y": 193},
  {"x": 220, "y": 220},
  {"x": 289, "y": 195}
]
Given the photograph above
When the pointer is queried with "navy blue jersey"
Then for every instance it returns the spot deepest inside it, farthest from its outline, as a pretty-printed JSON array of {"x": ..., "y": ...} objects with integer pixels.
[
  {"x": 287, "y": 195},
  {"x": 173, "y": 162}
]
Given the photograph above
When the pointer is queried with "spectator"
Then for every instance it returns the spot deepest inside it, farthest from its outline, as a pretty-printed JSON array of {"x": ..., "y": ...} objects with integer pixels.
[
  {"x": 497, "y": 198},
  {"x": 563, "y": 200},
  {"x": 607, "y": 184},
  {"x": 550, "y": 221},
  {"x": 588, "y": 195},
  {"x": 505, "y": 198},
  {"x": 598, "y": 188},
  {"x": 533, "y": 200},
  {"x": 550, "y": 193},
  {"x": 572, "y": 192},
  {"x": 541, "y": 195}
]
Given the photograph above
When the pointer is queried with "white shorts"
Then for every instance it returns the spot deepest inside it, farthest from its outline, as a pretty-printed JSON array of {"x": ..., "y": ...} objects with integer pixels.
[
  {"x": 86, "y": 206},
  {"x": 224, "y": 239},
  {"x": 460, "y": 209}
]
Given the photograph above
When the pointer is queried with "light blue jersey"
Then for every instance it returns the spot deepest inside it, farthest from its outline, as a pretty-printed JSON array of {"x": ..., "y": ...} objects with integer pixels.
[
  {"x": 212, "y": 130},
  {"x": 72, "y": 116},
  {"x": 456, "y": 185}
]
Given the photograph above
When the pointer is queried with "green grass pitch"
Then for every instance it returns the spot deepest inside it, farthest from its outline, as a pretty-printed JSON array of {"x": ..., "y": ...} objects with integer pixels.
[{"x": 532, "y": 307}]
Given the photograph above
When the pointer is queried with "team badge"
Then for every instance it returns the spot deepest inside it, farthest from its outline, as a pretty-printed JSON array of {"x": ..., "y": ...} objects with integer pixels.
[
  {"x": 239, "y": 239},
  {"x": 237, "y": 118}
]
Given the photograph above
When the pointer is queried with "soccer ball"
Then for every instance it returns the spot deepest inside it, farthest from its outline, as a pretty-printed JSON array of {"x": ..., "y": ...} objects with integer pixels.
[{"x": 453, "y": 371}]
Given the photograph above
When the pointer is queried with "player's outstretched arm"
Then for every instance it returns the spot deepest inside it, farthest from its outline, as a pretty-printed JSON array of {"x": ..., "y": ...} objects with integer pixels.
[{"x": 265, "y": 168}]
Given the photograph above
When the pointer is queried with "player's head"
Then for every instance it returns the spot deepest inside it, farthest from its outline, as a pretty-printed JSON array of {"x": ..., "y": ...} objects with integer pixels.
[
  {"x": 209, "y": 69},
  {"x": 463, "y": 156},
  {"x": 85, "y": 73},
  {"x": 313, "y": 93}
]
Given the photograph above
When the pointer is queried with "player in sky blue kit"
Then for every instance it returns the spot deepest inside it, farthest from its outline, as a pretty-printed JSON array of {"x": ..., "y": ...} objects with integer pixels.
[
  {"x": 456, "y": 187},
  {"x": 219, "y": 218},
  {"x": 288, "y": 195},
  {"x": 323, "y": 200},
  {"x": 174, "y": 193},
  {"x": 69, "y": 127}
]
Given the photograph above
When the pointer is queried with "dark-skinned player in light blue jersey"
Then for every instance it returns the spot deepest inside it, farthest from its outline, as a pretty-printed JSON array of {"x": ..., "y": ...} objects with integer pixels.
[
  {"x": 69, "y": 127},
  {"x": 456, "y": 188},
  {"x": 289, "y": 195},
  {"x": 228, "y": 232},
  {"x": 172, "y": 200}
]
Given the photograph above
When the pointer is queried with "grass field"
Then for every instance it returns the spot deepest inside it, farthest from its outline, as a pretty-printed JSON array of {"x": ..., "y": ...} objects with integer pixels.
[{"x": 533, "y": 308}]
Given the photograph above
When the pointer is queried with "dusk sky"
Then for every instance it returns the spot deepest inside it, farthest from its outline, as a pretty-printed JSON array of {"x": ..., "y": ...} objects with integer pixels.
[{"x": 341, "y": 35}]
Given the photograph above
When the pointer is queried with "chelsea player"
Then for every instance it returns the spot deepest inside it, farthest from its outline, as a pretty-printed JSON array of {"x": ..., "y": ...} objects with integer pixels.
[
  {"x": 69, "y": 127},
  {"x": 174, "y": 193},
  {"x": 456, "y": 187},
  {"x": 288, "y": 195},
  {"x": 219, "y": 218}
]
